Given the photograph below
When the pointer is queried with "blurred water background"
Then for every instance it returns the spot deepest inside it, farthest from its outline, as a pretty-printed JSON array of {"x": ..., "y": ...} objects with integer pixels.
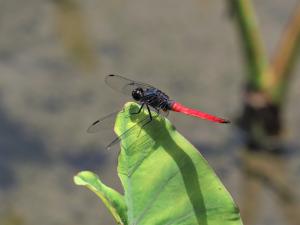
[{"x": 53, "y": 58}]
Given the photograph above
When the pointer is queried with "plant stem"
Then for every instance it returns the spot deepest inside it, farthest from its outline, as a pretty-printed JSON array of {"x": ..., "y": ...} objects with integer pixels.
[
  {"x": 252, "y": 42},
  {"x": 284, "y": 58}
]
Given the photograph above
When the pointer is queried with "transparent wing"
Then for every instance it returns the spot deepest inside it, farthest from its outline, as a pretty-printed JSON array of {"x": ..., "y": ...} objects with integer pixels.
[
  {"x": 106, "y": 126},
  {"x": 163, "y": 113},
  {"x": 145, "y": 121},
  {"x": 128, "y": 132},
  {"x": 105, "y": 122},
  {"x": 124, "y": 85}
]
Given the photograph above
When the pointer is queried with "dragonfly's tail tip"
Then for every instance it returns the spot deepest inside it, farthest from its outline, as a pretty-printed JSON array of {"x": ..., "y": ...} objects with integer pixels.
[{"x": 225, "y": 121}]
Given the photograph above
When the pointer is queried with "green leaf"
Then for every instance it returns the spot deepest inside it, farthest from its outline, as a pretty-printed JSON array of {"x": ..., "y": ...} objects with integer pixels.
[
  {"x": 113, "y": 200},
  {"x": 166, "y": 180}
]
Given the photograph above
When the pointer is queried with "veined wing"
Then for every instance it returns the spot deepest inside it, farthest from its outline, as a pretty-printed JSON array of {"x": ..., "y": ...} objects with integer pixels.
[
  {"x": 103, "y": 123},
  {"x": 106, "y": 123},
  {"x": 124, "y": 85},
  {"x": 138, "y": 126}
]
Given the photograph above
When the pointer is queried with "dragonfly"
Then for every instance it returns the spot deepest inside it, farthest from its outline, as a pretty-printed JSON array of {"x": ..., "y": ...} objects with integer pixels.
[{"x": 151, "y": 98}]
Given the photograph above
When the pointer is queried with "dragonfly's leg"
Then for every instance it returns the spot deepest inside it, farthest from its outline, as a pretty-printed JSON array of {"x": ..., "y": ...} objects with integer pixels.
[
  {"x": 150, "y": 119},
  {"x": 140, "y": 109},
  {"x": 150, "y": 116}
]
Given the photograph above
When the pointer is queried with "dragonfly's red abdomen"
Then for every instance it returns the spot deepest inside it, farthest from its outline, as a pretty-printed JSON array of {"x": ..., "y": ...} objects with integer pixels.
[{"x": 177, "y": 107}]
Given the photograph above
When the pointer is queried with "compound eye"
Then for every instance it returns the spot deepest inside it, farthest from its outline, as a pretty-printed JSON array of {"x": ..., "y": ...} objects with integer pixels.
[{"x": 137, "y": 94}]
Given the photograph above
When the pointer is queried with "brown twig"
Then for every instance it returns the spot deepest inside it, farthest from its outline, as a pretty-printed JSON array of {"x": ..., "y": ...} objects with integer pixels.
[{"x": 285, "y": 55}]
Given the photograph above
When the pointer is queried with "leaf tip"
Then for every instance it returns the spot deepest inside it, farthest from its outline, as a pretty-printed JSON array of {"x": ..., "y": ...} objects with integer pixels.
[{"x": 82, "y": 177}]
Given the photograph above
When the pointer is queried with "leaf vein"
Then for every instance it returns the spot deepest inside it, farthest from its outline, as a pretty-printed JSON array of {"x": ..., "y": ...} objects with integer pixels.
[{"x": 148, "y": 207}]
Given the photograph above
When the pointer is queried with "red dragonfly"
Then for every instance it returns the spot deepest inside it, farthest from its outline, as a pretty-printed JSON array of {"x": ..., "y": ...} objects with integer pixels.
[{"x": 149, "y": 97}]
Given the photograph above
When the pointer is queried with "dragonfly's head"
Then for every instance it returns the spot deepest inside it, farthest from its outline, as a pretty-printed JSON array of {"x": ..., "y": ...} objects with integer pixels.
[{"x": 138, "y": 94}]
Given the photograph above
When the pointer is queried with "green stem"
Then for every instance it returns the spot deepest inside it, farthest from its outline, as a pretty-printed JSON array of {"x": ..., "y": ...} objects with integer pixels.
[{"x": 252, "y": 42}]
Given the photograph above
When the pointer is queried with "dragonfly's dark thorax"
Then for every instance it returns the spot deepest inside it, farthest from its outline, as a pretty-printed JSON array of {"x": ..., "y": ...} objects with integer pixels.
[{"x": 156, "y": 98}]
